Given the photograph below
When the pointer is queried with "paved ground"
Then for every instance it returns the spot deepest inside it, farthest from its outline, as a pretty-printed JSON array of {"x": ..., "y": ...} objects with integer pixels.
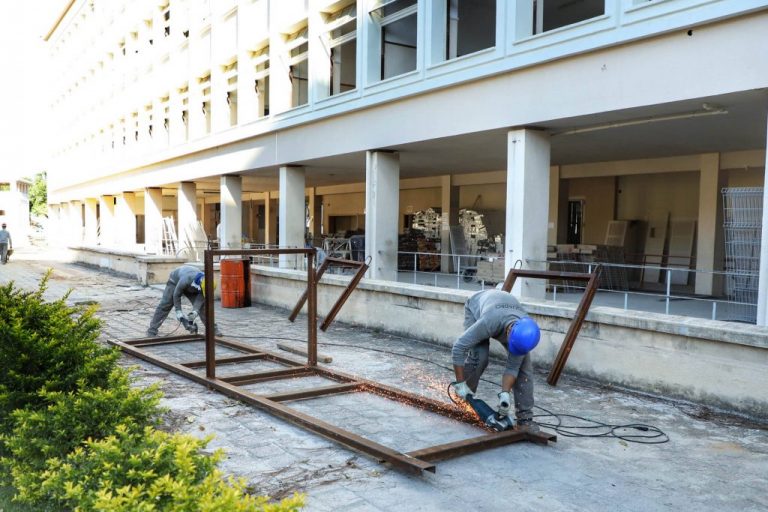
[{"x": 711, "y": 462}]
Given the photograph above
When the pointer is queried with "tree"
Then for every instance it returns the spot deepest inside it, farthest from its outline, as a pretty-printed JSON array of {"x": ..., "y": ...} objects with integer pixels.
[{"x": 38, "y": 195}]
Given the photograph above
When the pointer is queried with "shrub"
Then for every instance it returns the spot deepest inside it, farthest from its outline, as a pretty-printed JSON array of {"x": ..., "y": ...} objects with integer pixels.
[
  {"x": 70, "y": 419},
  {"x": 149, "y": 471},
  {"x": 46, "y": 347}
]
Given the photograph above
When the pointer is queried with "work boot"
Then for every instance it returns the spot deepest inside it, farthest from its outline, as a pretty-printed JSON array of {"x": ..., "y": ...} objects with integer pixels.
[
  {"x": 527, "y": 426},
  {"x": 151, "y": 334}
]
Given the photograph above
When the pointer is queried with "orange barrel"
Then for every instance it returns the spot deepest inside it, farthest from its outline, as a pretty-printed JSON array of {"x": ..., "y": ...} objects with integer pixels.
[{"x": 232, "y": 284}]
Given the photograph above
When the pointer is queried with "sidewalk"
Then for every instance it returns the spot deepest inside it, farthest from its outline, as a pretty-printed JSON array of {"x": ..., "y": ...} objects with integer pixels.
[{"x": 711, "y": 463}]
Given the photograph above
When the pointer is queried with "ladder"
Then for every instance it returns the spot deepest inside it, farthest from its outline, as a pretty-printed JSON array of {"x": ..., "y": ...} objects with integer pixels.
[{"x": 169, "y": 240}]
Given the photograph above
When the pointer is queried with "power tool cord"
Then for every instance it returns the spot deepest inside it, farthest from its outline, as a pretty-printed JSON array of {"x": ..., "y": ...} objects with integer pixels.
[{"x": 583, "y": 427}]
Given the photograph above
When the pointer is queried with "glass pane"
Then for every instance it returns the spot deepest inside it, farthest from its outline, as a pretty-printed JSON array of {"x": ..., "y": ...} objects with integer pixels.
[
  {"x": 559, "y": 13},
  {"x": 399, "y": 47},
  {"x": 393, "y": 7}
]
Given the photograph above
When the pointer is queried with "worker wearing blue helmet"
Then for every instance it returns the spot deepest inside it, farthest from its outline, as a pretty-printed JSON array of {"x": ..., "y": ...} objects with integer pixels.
[{"x": 499, "y": 315}]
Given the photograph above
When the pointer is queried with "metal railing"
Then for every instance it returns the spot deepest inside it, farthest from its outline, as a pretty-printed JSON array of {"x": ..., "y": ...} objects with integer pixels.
[{"x": 666, "y": 295}]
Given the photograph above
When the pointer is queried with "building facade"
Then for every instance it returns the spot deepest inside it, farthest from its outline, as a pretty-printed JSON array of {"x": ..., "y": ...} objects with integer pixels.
[
  {"x": 274, "y": 120},
  {"x": 14, "y": 207}
]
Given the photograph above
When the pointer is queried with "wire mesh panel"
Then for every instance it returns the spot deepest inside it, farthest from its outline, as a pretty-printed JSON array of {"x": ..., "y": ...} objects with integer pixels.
[{"x": 742, "y": 220}]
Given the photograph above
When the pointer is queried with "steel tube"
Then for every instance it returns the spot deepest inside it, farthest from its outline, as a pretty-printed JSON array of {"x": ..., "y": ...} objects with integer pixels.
[
  {"x": 226, "y": 360},
  {"x": 311, "y": 311},
  {"x": 344, "y": 296},
  {"x": 315, "y": 392},
  {"x": 253, "y": 378},
  {"x": 210, "y": 331}
]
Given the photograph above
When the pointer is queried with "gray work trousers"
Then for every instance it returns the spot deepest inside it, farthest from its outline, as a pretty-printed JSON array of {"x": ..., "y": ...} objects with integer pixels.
[
  {"x": 477, "y": 362},
  {"x": 165, "y": 307},
  {"x": 4, "y": 252}
]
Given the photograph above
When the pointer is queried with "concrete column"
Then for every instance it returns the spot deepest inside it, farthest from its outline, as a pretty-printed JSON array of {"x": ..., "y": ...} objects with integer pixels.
[
  {"x": 107, "y": 220},
  {"x": 125, "y": 221},
  {"x": 528, "y": 155},
  {"x": 554, "y": 203},
  {"x": 709, "y": 232},
  {"x": 231, "y": 212},
  {"x": 53, "y": 227},
  {"x": 382, "y": 197},
  {"x": 76, "y": 222},
  {"x": 64, "y": 236},
  {"x": 91, "y": 221},
  {"x": 187, "y": 208},
  {"x": 314, "y": 212},
  {"x": 153, "y": 220},
  {"x": 291, "y": 211},
  {"x": 762, "y": 290},
  {"x": 450, "y": 211}
]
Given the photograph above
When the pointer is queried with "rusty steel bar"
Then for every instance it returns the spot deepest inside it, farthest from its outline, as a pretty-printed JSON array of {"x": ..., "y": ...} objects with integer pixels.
[
  {"x": 362, "y": 268},
  {"x": 165, "y": 340},
  {"x": 419, "y": 401},
  {"x": 318, "y": 274},
  {"x": 344, "y": 296},
  {"x": 253, "y": 378},
  {"x": 210, "y": 330},
  {"x": 514, "y": 273},
  {"x": 472, "y": 445},
  {"x": 311, "y": 311},
  {"x": 251, "y": 350},
  {"x": 315, "y": 392},
  {"x": 399, "y": 460},
  {"x": 575, "y": 327},
  {"x": 226, "y": 360}
]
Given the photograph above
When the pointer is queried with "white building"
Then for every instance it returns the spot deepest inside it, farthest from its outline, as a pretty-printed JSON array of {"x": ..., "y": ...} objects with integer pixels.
[
  {"x": 14, "y": 207},
  {"x": 552, "y": 117}
]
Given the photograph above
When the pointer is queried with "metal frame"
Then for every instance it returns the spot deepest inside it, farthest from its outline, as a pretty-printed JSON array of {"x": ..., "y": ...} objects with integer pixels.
[
  {"x": 414, "y": 462},
  {"x": 362, "y": 268},
  {"x": 578, "y": 318}
]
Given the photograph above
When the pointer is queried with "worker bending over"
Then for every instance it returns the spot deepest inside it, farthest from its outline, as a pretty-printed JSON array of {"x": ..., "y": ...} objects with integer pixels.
[
  {"x": 499, "y": 315},
  {"x": 184, "y": 281}
]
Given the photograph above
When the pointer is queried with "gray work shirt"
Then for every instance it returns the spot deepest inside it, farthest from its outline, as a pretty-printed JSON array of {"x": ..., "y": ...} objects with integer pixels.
[
  {"x": 491, "y": 311},
  {"x": 182, "y": 278},
  {"x": 5, "y": 237}
]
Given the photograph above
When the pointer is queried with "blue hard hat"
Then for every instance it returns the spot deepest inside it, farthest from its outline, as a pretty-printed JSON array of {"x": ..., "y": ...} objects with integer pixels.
[{"x": 524, "y": 336}]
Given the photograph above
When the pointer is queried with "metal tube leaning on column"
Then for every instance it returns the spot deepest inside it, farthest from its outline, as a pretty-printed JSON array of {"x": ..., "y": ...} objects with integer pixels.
[{"x": 210, "y": 331}]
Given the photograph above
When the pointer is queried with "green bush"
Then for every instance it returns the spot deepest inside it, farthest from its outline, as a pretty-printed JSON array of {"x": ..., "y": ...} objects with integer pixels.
[
  {"x": 74, "y": 435},
  {"x": 149, "y": 471},
  {"x": 70, "y": 419},
  {"x": 46, "y": 347}
]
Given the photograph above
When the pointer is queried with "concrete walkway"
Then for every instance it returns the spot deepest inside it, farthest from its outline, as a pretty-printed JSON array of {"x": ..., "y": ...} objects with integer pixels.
[{"x": 712, "y": 461}]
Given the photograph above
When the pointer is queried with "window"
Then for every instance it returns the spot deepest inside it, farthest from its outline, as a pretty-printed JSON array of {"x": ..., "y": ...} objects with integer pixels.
[
  {"x": 471, "y": 26},
  {"x": 397, "y": 19},
  {"x": 552, "y": 14},
  {"x": 341, "y": 31},
  {"x": 297, "y": 45},
  {"x": 166, "y": 12},
  {"x": 5, "y": 187},
  {"x": 184, "y": 97},
  {"x": 260, "y": 62},
  {"x": 204, "y": 82},
  {"x": 230, "y": 75}
]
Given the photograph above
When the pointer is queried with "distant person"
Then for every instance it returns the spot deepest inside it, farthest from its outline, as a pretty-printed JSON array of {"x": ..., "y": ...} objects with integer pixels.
[
  {"x": 5, "y": 244},
  {"x": 499, "y": 315},
  {"x": 186, "y": 281}
]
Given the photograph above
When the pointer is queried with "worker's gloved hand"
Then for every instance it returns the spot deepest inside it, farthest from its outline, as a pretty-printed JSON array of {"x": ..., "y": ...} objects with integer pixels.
[
  {"x": 179, "y": 315},
  {"x": 504, "y": 403},
  {"x": 192, "y": 316},
  {"x": 461, "y": 389}
]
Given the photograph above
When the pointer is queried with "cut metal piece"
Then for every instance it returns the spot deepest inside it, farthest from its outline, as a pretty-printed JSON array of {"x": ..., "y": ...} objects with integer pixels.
[{"x": 579, "y": 316}]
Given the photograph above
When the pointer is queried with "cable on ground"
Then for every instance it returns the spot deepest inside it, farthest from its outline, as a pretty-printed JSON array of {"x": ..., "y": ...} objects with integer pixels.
[{"x": 579, "y": 426}]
